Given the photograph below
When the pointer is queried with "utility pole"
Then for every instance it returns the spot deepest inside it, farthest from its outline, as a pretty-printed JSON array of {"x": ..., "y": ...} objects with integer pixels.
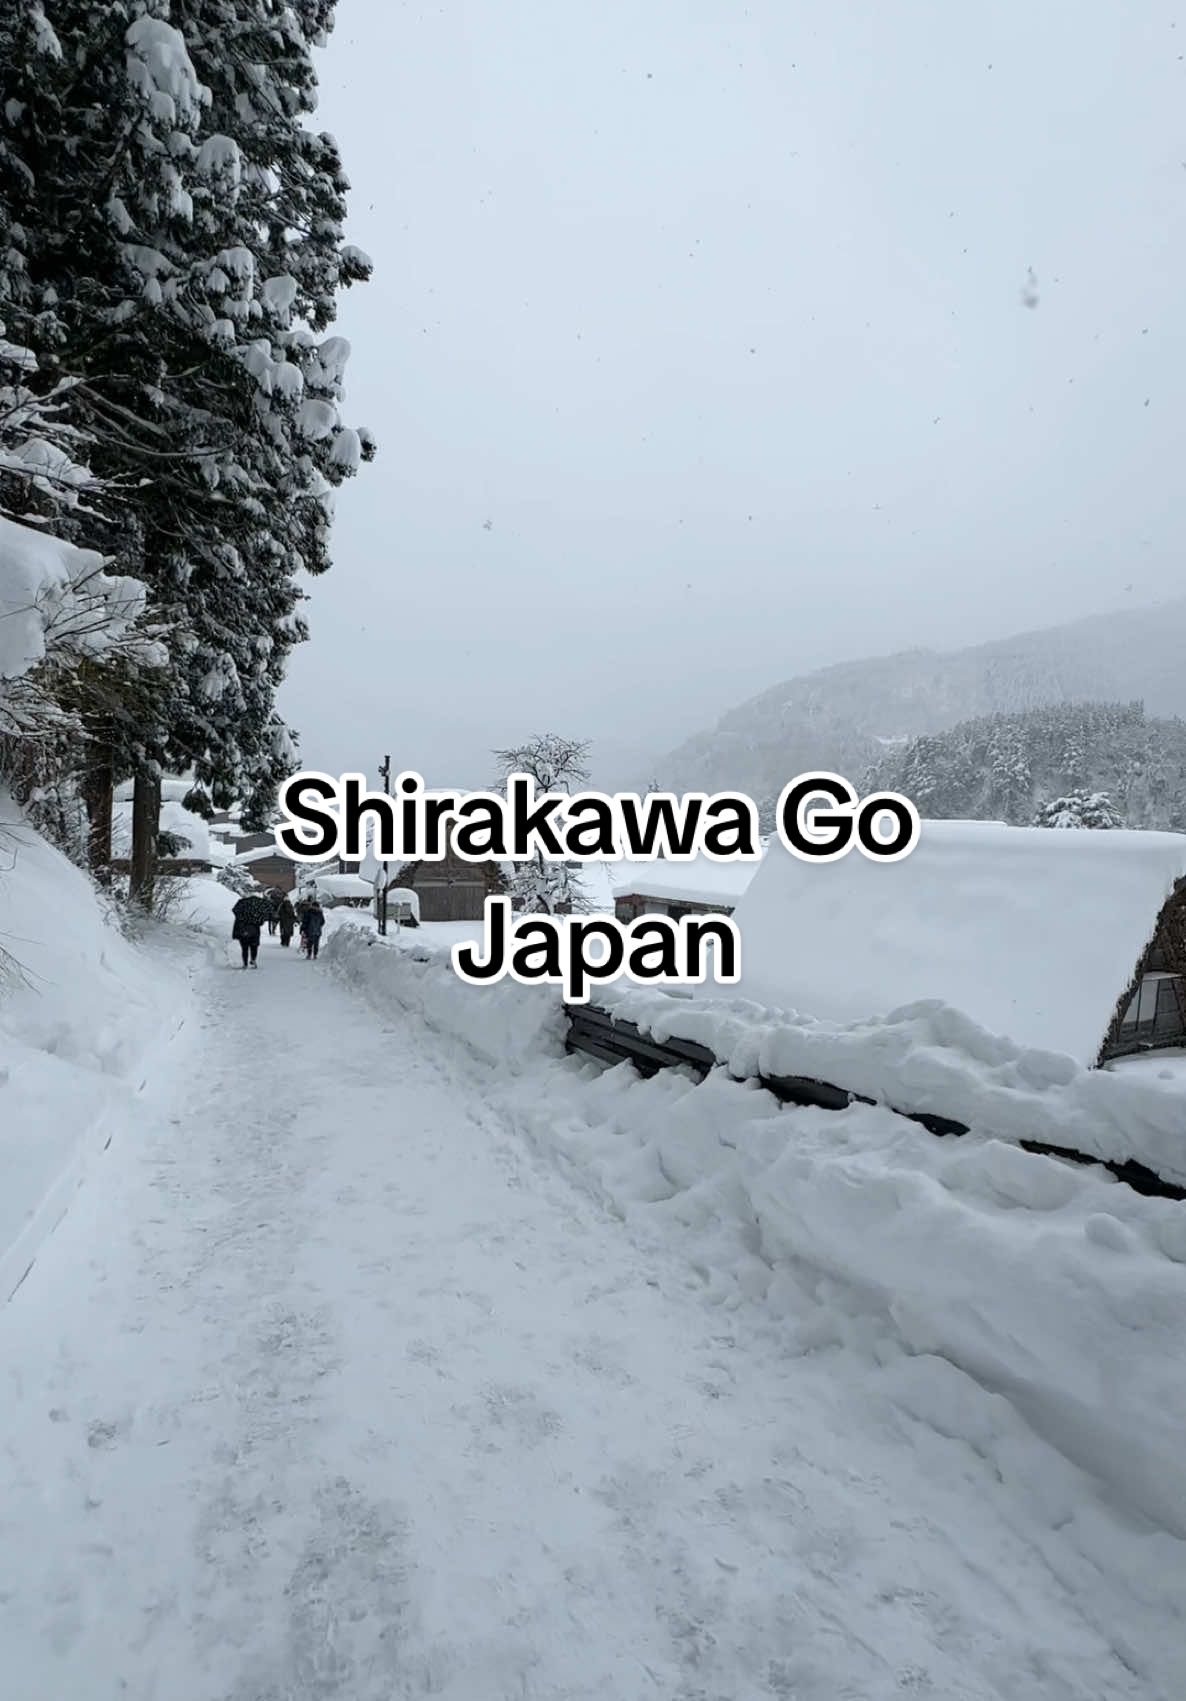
[{"x": 381, "y": 906}]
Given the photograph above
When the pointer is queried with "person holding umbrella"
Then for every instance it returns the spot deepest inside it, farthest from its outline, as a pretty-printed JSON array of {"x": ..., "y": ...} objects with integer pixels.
[{"x": 250, "y": 914}]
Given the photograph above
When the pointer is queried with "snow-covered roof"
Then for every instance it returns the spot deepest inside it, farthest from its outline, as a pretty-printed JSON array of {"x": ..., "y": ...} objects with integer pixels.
[
  {"x": 698, "y": 882},
  {"x": 260, "y": 854},
  {"x": 1032, "y": 932},
  {"x": 174, "y": 819},
  {"x": 342, "y": 886}
]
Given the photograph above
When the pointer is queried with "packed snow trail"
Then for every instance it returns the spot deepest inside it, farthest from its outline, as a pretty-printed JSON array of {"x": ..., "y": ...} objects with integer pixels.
[{"x": 326, "y": 1388}]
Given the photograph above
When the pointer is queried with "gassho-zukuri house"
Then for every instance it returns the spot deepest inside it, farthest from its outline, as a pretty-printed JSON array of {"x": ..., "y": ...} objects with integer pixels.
[{"x": 1069, "y": 940}]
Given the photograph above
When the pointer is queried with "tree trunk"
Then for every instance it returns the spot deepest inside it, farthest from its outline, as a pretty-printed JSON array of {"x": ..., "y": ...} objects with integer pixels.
[
  {"x": 98, "y": 786},
  {"x": 146, "y": 823}
]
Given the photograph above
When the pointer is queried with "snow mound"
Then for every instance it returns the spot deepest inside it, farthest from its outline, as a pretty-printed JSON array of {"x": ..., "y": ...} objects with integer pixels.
[
  {"x": 77, "y": 1014},
  {"x": 1031, "y": 932},
  {"x": 505, "y": 1024}
]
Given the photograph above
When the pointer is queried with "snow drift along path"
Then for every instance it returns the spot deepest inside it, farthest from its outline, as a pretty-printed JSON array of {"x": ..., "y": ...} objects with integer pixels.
[{"x": 326, "y": 1388}]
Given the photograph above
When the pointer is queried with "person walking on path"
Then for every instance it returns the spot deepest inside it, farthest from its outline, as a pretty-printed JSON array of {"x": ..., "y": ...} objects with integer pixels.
[
  {"x": 274, "y": 897},
  {"x": 312, "y": 925},
  {"x": 250, "y": 914},
  {"x": 285, "y": 920}
]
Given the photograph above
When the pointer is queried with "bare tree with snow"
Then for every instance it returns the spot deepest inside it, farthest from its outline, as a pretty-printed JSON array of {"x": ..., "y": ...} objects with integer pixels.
[{"x": 556, "y": 764}]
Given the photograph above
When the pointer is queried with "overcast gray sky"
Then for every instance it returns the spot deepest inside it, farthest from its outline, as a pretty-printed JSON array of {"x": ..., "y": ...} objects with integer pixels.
[{"x": 698, "y": 357}]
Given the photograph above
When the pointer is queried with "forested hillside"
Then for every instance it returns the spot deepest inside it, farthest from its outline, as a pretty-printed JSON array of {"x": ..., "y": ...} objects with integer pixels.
[{"x": 1005, "y": 767}]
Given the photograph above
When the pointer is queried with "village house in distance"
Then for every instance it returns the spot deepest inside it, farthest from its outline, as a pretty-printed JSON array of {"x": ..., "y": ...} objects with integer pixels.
[{"x": 677, "y": 889}]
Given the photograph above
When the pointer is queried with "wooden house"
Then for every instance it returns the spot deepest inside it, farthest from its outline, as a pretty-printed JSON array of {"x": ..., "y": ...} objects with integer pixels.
[
  {"x": 269, "y": 866},
  {"x": 245, "y": 842},
  {"x": 451, "y": 890},
  {"x": 1150, "y": 1015},
  {"x": 701, "y": 887}
]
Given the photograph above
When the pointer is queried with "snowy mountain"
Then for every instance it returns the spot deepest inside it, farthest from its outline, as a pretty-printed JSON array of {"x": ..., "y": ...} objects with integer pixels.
[{"x": 846, "y": 717}]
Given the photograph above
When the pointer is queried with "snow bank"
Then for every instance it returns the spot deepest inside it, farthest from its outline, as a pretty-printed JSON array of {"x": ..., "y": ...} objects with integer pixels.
[
  {"x": 979, "y": 1277},
  {"x": 1030, "y": 1310},
  {"x": 929, "y": 1058},
  {"x": 208, "y": 906},
  {"x": 76, "y": 1020},
  {"x": 505, "y": 1024},
  {"x": 1030, "y": 932}
]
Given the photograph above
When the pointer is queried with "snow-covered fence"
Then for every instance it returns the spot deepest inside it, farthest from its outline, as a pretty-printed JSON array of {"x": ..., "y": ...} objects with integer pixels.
[{"x": 925, "y": 1062}]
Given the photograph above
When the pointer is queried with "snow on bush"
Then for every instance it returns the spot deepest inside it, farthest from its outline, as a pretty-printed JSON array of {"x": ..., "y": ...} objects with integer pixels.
[{"x": 505, "y": 1024}]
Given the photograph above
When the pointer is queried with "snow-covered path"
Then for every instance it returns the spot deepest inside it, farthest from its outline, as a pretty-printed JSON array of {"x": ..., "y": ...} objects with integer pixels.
[{"x": 326, "y": 1387}]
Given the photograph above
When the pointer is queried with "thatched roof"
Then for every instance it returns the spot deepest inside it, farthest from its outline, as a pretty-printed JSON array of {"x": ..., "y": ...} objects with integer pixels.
[{"x": 1036, "y": 933}]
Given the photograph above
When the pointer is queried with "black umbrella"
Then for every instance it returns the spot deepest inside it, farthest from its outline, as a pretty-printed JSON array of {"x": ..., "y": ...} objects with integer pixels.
[{"x": 254, "y": 911}]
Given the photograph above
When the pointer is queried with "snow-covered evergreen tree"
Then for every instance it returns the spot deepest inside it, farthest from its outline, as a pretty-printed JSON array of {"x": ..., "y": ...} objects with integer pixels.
[
  {"x": 1080, "y": 810},
  {"x": 43, "y": 469},
  {"x": 178, "y": 248}
]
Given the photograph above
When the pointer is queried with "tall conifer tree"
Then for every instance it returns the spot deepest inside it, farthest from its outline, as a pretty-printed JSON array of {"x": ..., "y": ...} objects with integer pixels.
[{"x": 177, "y": 251}]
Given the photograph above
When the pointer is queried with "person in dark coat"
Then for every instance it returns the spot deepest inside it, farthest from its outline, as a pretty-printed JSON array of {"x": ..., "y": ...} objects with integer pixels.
[
  {"x": 285, "y": 920},
  {"x": 250, "y": 913},
  {"x": 312, "y": 926},
  {"x": 275, "y": 897}
]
